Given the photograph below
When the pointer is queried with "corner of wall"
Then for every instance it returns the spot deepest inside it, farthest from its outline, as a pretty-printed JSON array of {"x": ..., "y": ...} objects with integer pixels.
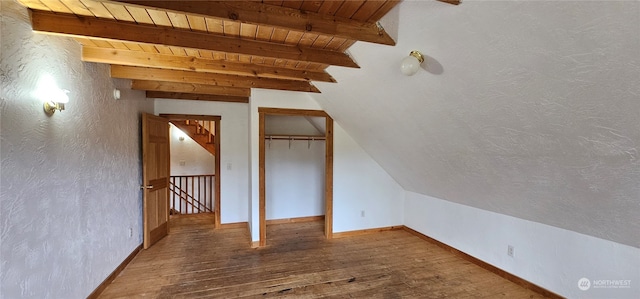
[
  {"x": 365, "y": 195},
  {"x": 550, "y": 257}
]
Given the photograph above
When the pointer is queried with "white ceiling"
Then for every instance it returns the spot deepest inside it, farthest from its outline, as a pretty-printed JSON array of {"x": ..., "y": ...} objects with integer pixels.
[{"x": 528, "y": 108}]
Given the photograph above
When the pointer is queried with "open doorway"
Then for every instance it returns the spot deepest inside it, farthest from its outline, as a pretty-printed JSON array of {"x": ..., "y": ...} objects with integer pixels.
[
  {"x": 308, "y": 136},
  {"x": 194, "y": 183}
]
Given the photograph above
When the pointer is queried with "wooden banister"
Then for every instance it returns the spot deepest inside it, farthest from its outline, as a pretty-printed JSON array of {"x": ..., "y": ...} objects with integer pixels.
[
  {"x": 192, "y": 194},
  {"x": 200, "y": 131},
  {"x": 195, "y": 205},
  {"x": 189, "y": 199}
]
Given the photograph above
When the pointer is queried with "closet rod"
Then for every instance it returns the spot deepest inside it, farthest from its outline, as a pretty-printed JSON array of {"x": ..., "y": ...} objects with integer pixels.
[{"x": 286, "y": 137}]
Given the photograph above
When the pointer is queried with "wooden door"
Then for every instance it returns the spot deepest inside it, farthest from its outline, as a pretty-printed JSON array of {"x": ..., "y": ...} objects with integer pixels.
[{"x": 155, "y": 175}]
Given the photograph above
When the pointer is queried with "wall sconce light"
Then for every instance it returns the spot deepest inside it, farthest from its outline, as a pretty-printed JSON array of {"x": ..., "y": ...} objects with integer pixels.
[
  {"x": 181, "y": 134},
  {"x": 56, "y": 101},
  {"x": 411, "y": 63}
]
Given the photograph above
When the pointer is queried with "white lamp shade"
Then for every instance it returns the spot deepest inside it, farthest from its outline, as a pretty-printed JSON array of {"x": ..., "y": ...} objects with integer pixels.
[
  {"x": 410, "y": 65},
  {"x": 59, "y": 96}
]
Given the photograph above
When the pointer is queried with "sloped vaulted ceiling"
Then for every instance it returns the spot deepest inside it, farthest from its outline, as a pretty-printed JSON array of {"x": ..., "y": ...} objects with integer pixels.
[{"x": 528, "y": 108}]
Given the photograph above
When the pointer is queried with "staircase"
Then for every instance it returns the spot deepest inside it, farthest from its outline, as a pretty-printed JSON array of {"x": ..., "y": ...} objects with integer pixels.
[
  {"x": 201, "y": 131},
  {"x": 193, "y": 194}
]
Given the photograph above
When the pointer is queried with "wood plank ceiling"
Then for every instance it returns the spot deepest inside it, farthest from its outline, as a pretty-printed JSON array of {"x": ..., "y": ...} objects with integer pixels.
[{"x": 215, "y": 50}]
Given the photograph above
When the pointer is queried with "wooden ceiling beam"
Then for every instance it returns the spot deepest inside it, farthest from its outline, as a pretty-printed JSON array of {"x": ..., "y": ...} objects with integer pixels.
[
  {"x": 68, "y": 24},
  {"x": 143, "y": 73},
  {"x": 193, "y": 96},
  {"x": 454, "y": 2},
  {"x": 269, "y": 15},
  {"x": 178, "y": 87},
  {"x": 189, "y": 63}
]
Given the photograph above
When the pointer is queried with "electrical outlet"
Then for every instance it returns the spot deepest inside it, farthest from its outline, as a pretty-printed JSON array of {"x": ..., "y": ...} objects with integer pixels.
[
  {"x": 130, "y": 232},
  {"x": 362, "y": 213},
  {"x": 510, "y": 250}
]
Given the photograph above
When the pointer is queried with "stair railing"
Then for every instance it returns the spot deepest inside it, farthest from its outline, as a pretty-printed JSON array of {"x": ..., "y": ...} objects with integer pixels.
[{"x": 192, "y": 194}]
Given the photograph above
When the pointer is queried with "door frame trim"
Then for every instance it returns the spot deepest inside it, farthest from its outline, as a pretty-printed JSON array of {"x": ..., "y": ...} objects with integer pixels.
[
  {"x": 328, "y": 191},
  {"x": 217, "y": 119}
]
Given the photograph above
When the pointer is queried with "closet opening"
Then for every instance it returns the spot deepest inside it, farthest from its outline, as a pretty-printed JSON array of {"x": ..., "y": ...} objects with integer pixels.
[{"x": 296, "y": 168}]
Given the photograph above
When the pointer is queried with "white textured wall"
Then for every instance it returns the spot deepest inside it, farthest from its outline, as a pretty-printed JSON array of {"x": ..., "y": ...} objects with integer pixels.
[
  {"x": 294, "y": 178},
  {"x": 69, "y": 183},
  {"x": 234, "y": 190},
  {"x": 524, "y": 108},
  {"x": 360, "y": 184},
  {"x": 548, "y": 256},
  {"x": 197, "y": 160}
]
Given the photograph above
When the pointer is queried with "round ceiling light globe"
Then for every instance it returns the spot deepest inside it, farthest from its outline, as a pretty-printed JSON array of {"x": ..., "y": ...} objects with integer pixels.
[{"x": 410, "y": 65}]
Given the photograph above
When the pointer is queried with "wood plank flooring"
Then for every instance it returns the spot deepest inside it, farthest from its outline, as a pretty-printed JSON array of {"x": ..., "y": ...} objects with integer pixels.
[{"x": 196, "y": 261}]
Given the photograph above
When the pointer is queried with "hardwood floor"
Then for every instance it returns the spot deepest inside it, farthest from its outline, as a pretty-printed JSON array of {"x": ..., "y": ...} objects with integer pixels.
[{"x": 196, "y": 261}]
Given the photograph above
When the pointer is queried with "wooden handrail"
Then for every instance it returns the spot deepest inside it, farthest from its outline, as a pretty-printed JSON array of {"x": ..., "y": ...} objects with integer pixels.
[
  {"x": 188, "y": 196},
  {"x": 192, "y": 193},
  {"x": 184, "y": 197},
  {"x": 181, "y": 194}
]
